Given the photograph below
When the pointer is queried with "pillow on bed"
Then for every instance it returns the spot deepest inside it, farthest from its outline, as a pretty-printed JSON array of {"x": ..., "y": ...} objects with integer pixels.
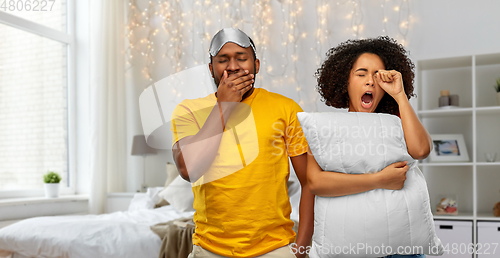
[
  {"x": 172, "y": 173},
  {"x": 145, "y": 200},
  {"x": 378, "y": 222},
  {"x": 179, "y": 194}
]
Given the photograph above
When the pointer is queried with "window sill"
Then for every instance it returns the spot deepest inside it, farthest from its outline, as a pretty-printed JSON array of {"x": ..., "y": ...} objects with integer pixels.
[
  {"x": 16, "y": 209},
  {"x": 39, "y": 200}
]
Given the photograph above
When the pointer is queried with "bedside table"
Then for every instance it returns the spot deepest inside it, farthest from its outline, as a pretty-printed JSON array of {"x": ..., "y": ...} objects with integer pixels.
[{"x": 118, "y": 201}]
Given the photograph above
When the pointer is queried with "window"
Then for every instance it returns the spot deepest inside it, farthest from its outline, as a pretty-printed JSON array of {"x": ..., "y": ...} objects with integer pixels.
[
  {"x": 35, "y": 101},
  {"x": 50, "y": 13}
]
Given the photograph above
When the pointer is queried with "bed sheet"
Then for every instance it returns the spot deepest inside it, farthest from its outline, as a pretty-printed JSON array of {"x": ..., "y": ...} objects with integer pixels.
[{"x": 118, "y": 234}]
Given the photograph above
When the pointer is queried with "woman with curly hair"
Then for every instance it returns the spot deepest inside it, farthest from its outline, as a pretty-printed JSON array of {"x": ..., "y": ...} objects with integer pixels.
[
  {"x": 334, "y": 74},
  {"x": 375, "y": 76}
]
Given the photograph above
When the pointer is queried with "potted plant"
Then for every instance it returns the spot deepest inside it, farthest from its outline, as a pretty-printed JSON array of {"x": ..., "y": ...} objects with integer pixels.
[
  {"x": 497, "y": 88},
  {"x": 51, "y": 184}
]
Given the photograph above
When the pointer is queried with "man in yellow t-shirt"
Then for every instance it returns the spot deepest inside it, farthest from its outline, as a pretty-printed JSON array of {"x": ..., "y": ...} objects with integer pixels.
[{"x": 233, "y": 146}]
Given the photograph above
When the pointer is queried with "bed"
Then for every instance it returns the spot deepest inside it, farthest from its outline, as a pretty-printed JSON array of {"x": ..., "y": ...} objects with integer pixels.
[{"x": 118, "y": 234}]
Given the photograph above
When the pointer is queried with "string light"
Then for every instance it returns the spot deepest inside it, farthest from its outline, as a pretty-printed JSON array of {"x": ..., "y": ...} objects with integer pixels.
[
  {"x": 172, "y": 32},
  {"x": 404, "y": 20}
]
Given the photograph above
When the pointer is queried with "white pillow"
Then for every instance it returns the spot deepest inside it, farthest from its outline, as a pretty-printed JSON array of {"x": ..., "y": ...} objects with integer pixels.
[
  {"x": 145, "y": 200},
  {"x": 179, "y": 194},
  {"x": 172, "y": 173},
  {"x": 378, "y": 222}
]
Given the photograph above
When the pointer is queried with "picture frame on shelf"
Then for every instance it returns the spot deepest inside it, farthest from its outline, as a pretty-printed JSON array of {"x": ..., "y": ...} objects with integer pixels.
[{"x": 448, "y": 148}]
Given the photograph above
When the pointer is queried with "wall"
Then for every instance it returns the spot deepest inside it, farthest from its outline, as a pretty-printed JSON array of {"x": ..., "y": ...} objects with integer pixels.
[
  {"x": 436, "y": 29},
  {"x": 455, "y": 28}
]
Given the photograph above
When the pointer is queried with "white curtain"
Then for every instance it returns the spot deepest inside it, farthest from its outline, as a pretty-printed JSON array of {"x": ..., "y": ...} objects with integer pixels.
[{"x": 108, "y": 151}]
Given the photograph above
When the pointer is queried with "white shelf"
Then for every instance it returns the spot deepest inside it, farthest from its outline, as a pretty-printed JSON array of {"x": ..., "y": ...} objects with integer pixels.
[
  {"x": 488, "y": 110},
  {"x": 460, "y": 216},
  {"x": 489, "y": 59},
  {"x": 445, "y": 164},
  {"x": 453, "y": 164},
  {"x": 459, "y": 111},
  {"x": 445, "y": 112},
  {"x": 488, "y": 164},
  {"x": 445, "y": 63},
  {"x": 468, "y": 216},
  {"x": 487, "y": 216},
  {"x": 475, "y": 183}
]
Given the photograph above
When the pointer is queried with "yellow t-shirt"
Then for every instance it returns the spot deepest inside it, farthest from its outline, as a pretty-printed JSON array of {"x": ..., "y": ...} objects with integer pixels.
[{"x": 242, "y": 204}]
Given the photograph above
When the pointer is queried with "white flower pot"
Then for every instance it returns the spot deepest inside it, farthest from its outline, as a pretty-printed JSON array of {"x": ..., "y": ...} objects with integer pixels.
[
  {"x": 51, "y": 190},
  {"x": 498, "y": 98}
]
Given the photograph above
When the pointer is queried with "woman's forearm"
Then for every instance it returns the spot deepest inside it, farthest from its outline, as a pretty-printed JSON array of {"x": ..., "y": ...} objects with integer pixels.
[
  {"x": 418, "y": 140},
  {"x": 332, "y": 184}
]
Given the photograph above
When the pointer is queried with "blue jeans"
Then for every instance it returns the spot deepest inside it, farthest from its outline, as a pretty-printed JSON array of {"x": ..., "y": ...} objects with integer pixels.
[{"x": 406, "y": 256}]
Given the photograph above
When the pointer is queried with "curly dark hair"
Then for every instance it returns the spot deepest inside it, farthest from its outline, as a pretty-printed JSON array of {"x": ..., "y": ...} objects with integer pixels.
[{"x": 333, "y": 76}]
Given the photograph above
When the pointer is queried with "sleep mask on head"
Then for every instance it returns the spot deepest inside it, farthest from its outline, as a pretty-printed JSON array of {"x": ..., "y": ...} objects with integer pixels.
[{"x": 229, "y": 35}]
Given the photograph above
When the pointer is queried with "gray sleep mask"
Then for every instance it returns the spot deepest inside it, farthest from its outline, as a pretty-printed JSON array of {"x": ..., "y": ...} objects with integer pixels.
[{"x": 229, "y": 35}]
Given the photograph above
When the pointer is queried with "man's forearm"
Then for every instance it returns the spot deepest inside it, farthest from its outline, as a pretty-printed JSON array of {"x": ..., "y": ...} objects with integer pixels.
[
  {"x": 306, "y": 222},
  {"x": 306, "y": 207},
  {"x": 199, "y": 151}
]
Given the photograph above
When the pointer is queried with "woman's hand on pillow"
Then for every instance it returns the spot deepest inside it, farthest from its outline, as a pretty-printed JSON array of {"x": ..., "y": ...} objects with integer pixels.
[{"x": 393, "y": 176}]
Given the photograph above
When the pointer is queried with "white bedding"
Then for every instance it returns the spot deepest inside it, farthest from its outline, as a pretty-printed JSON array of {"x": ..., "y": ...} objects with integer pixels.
[{"x": 118, "y": 234}]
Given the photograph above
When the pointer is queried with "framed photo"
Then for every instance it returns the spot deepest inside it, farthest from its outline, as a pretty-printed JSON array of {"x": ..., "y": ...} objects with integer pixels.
[{"x": 448, "y": 147}]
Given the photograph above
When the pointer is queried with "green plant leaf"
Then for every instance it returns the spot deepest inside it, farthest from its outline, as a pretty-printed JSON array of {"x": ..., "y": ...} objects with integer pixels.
[{"x": 51, "y": 177}]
